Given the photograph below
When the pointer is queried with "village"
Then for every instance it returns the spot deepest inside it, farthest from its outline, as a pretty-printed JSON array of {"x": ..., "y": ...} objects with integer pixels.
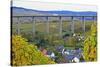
[{"x": 69, "y": 55}]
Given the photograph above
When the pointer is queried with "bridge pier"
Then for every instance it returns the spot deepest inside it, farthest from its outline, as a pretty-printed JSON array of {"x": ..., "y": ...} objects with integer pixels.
[
  {"x": 33, "y": 29},
  {"x": 83, "y": 20},
  {"x": 72, "y": 24},
  {"x": 47, "y": 25},
  {"x": 18, "y": 26},
  {"x": 94, "y": 19},
  {"x": 60, "y": 26}
]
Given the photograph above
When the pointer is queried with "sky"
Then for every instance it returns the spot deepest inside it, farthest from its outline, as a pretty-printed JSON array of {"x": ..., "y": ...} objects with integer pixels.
[{"x": 40, "y": 5}]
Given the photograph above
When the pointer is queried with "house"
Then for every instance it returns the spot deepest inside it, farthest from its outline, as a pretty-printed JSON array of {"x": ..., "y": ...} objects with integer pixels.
[
  {"x": 69, "y": 58},
  {"x": 73, "y": 55},
  {"x": 78, "y": 37},
  {"x": 76, "y": 60},
  {"x": 51, "y": 55},
  {"x": 65, "y": 52},
  {"x": 44, "y": 51},
  {"x": 48, "y": 53},
  {"x": 74, "y": 35},
  {"x": 60, "y": 49}
]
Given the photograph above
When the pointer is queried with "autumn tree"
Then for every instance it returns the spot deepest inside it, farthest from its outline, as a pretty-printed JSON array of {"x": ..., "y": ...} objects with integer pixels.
[
  {"x": 90, "y": 45},
  {"x": 24, "y": 53}
]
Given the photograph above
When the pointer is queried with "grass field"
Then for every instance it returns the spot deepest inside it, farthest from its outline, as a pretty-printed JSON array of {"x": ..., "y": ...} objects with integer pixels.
[{"x": 53, "y": 27}]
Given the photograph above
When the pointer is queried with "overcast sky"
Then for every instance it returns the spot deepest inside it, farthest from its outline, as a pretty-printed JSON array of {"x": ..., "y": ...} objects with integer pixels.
[{"x": 39, "y": 5}]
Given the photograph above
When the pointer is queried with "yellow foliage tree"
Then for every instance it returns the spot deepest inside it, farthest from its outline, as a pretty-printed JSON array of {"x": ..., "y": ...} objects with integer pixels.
[
  {"x": 90, "y": 45},
  {"x": 24, "y": 53}
]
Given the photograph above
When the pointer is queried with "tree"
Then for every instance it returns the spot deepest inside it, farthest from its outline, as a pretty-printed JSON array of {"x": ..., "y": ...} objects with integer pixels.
[
  {"x": 90, "y": 45},
  {"x": 24, "y": 53}
]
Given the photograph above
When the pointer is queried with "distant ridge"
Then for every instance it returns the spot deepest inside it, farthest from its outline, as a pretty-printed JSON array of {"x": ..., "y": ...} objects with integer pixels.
[{"x": 25, "y": 11}]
